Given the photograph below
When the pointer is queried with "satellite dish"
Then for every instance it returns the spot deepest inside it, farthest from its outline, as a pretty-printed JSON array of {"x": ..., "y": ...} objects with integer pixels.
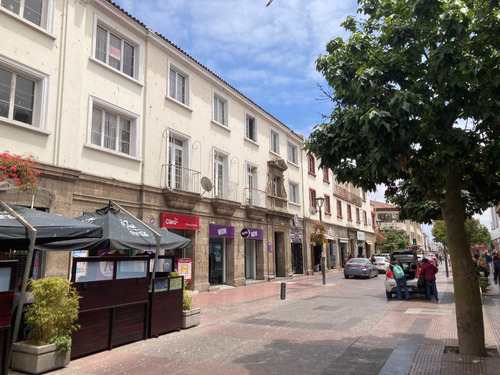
[
  {"x": 312, "y": 211},
  {"x": 206, "y": 184}
]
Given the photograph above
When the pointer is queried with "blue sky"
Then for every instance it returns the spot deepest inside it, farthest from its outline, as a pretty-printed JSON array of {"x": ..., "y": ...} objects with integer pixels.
[{"x": 267, "y": 53}]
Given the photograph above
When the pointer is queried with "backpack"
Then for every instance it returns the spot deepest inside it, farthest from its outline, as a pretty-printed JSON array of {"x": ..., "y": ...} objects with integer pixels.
[{"x": 398, "y": 271}]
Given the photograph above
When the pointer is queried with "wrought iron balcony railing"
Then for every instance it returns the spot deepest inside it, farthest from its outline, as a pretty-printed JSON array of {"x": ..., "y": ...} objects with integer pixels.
[
  {"x": 180, "y": 178},
  {"x": 254, "y": 197}
]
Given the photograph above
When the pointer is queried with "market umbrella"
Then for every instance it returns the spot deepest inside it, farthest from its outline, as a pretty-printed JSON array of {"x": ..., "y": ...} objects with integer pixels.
[
  {"x": 121, "y": 230},
  {"x": 22, "y": 228},
  {"x": 49, "y": 227}
]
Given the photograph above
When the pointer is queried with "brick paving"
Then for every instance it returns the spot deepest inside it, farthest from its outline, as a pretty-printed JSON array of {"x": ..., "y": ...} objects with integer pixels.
[{"x": 316, "y": 329}]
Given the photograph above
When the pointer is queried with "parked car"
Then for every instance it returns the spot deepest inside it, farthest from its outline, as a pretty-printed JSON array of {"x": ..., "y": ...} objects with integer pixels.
[
  {"x": 411, "y": 267},
  {"x": 382, "y": 264},
  {"x": 362, "y": 267},
  {"x": 432, "y": 258}
]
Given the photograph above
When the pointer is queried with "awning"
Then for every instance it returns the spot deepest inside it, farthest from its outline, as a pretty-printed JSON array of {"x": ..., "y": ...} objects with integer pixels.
[{"x": 343, "y": 240}]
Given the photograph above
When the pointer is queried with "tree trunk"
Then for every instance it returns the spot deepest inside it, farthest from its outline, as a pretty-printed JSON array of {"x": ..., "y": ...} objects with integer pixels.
[{"x": 470, "y": 324}]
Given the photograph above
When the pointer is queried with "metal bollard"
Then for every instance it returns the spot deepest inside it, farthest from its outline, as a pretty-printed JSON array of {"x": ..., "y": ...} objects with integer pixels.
[{"x": 283, "y": 290}]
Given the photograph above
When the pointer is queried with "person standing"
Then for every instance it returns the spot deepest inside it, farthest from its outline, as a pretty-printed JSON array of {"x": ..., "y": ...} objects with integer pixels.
[
  {"x": 496, "y": 269},
  {"x": 429, "y": 271},
  {"x": 400, "y": 278}
]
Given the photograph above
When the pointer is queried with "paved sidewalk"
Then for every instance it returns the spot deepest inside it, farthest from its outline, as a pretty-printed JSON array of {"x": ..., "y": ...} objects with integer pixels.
[{"x": 316, "y": 329}]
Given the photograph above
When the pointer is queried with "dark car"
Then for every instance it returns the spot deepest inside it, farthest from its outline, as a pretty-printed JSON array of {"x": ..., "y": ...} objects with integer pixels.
[
  {"x": 361, "y": 267},
  {"x": 411, "y": 266}
]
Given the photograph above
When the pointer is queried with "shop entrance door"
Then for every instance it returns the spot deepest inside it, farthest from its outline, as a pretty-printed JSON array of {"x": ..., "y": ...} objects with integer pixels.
[
  {"x": 297, "y": 259},
  {"x": 217, "y": 261},
  {"x": 250, "y": 259}
]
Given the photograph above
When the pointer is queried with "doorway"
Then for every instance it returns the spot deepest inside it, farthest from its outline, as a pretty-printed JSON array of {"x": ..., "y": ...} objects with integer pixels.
[
  {"x": 216, "y": 261},
  {"x": 250, "y": 260}
]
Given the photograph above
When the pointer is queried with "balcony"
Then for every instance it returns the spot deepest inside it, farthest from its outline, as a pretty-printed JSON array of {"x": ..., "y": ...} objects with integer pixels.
[
  {"x": 255, "y": 203},
  {"x": 348, "y": 196},
  {"x": 182, "y": 186},
  {"x": 225, "y": 197}
]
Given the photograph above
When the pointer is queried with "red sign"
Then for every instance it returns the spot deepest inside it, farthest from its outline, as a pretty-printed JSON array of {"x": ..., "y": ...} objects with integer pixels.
[{"x": 168, "y": 220}]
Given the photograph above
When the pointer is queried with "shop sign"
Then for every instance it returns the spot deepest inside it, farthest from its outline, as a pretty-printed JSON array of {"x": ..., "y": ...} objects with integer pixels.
[
  {"x": 295, "y": 236},
  {"x": 342, "y": 233},
  {"x": 224, "y": 231},
  {"x": 360, "y": 235},
  {"x": 168, "y": 220},
  {"x": 252, "y": 234}
]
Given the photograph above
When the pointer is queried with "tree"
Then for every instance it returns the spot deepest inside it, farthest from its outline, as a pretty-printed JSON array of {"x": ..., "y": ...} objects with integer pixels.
[
  {"x": 394, "y": 239},
  {"x": 477, "y": 233},
  {"x": 417, "y": 108}
]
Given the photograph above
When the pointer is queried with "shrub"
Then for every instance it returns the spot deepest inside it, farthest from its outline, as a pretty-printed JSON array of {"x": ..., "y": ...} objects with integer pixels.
[{"x": 52, "y": 315}]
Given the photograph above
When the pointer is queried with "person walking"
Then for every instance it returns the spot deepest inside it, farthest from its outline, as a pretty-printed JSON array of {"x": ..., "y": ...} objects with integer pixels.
[
  {"x": 400, "y": 278},
  {"x": 429, "y": 271},
  {"x": 496, "y": 269}
]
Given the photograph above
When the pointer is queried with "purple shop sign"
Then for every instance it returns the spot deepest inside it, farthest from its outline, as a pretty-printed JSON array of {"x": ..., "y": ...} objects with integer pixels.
[
  {"x": 252, "y": 234},
  {"x": 224, "y": 231}
]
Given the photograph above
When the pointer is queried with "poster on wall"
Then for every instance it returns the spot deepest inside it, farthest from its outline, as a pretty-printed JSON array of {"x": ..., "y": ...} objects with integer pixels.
[
  {"x": 185, "y": 266},
  {"x": 81, "y": 267}
]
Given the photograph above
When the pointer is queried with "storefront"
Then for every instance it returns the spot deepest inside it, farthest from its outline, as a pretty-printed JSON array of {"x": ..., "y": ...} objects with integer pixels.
[
  {"x": 217, "y": 252},
  {"x": 253, "y": 240},
  {"x": 183, "y": 225},
  {"x": 343, "y": 246}
]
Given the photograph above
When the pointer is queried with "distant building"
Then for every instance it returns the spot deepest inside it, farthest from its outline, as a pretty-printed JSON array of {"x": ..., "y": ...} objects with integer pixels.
[
  {"x": 387, "y": 216},
  {"x": 495, "y": 226}
]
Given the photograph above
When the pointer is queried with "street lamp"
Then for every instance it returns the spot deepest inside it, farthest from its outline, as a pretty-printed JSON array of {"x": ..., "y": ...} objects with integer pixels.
[{"x": 319, "y": 202}]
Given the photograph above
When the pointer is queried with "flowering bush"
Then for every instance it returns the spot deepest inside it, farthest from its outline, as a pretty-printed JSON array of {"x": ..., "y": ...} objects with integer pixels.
[{"x": 20, "y": 169}]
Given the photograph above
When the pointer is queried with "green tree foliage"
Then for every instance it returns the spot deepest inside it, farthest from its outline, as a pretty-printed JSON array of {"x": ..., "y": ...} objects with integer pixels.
[
  {"x": 477, "y": 233},
  {"x": 395, "y": 239},
  {"x": 417, "y": 108}
]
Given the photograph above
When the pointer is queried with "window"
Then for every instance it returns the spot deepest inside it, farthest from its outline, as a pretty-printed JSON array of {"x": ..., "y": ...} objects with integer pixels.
[
  {"x": 252, "y": 193},
  {"x": 312, "y": 198},
  {"x": 365, "y": 217},
  {"x": 339, "y": 208},
  {"x": 179, "y": 86},
  {"x": 275, "y": 142},
  {"x": 23, "y": 94},
  {"x": 221, "y": 183},
  {"x": 114, "y": 51},
  {"x": 178, "y": 174},
  {"x": 326, "y": 177},
  {"x": 114, "y": 129},
  {"x": 220, "y": 110},
  {"x": 349, "y": 212},
  {"x": 358, "y": 219},
  {"x": 328, "y": 209},
  {"x": 293, "y": 154},
  {"x": 293, "y": 189},
  {"x": 277, "y": 186},
  {"x": 251, "y": 128},
  {"x": 34, "y": 11},
  {"x": 310, "y": 165}
]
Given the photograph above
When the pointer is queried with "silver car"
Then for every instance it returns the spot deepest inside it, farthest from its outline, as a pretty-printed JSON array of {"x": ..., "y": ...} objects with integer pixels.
[
  {"x": 361, "y": 267},
  {"x": 382, "y": 264}
]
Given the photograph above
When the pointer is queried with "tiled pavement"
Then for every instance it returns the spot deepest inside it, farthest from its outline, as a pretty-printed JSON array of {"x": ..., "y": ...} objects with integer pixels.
[{"x": 317, "y": 329}]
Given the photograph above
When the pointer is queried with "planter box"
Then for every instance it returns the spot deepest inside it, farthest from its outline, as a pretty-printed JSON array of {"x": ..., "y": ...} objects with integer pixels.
[
  {"x": 37, "y": 359},
  {"x": 191, "y": 318}
]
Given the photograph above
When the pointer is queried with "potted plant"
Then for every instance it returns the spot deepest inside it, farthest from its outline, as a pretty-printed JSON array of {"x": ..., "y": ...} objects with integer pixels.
[
  {"x": 190, "y": 316},
  {"x": 50, "y": 320},
  {"x": 483, "y": 283},
  {"x": 318, "y": 233},
  {"x": 19, "y": 171}
]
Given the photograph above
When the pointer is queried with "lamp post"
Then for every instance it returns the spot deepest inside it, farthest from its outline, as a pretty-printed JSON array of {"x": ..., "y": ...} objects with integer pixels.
[{"x": 319, "y": 202}]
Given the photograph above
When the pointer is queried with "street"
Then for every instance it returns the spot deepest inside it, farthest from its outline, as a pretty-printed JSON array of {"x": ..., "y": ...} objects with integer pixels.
[{"x": 344, "y": 327}]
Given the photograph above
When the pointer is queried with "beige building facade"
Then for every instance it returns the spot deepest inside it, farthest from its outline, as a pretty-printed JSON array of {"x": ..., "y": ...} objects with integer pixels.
[{"x": 114, "y": 111}]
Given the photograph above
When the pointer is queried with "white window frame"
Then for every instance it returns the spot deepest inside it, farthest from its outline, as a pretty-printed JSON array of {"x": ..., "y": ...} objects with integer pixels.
[
  {"x": 126, "y": 37},
  {"x": 47, "y": 15},
  {"x": 216, "y": 98},
  {"x": 219, "y": 188},
  {"x": 121, "y": 112},
  {"x": 274, "y": 142},
  {"x": 187, "y": 84},
  {"x": 295, "y": 150},
  {"x": 294, "y": 189},
  {"x": 40, "y": 99},
  {"x": 186, "y": 159},
  {"x": 251, "y": 183},
  {"x": 247, "y": 135}
]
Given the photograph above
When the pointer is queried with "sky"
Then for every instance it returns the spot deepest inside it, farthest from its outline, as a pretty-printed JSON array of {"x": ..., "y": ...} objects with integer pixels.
[{"x": 268, "y": 53}]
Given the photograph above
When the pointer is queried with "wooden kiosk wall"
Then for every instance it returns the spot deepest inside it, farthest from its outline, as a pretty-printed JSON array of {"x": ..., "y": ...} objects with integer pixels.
[
  {"x": 118, "y": 311},
  {"x": 8, "y": 271}
]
